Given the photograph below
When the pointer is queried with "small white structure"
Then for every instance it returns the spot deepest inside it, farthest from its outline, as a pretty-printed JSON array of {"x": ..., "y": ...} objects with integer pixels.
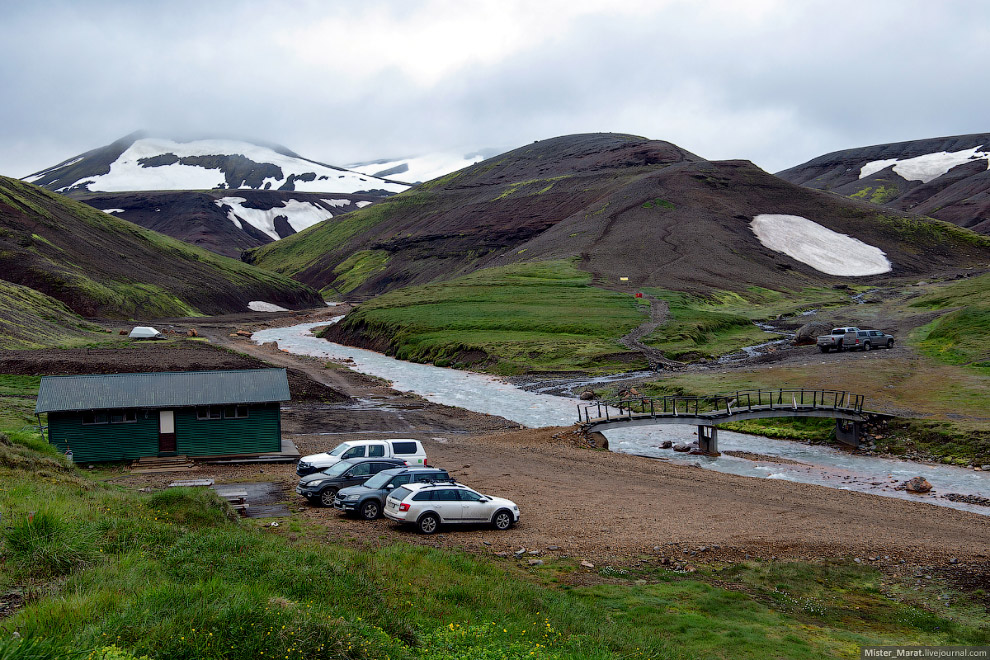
[{"x": 145, "y": 332}]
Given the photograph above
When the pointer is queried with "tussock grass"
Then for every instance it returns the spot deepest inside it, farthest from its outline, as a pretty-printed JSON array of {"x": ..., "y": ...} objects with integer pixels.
[{"x": 173, "y": 575}]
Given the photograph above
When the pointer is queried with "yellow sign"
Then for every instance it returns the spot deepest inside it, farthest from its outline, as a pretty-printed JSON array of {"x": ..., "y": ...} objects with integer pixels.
[{"x": 623, "y": 279}]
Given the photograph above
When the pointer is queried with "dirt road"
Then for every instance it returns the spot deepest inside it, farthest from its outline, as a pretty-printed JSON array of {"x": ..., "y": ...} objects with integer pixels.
[{"x": 577, "y": 501}]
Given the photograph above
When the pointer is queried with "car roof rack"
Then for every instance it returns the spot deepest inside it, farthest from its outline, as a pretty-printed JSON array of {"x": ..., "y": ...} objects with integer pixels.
[{"x": 438, "y": 482}]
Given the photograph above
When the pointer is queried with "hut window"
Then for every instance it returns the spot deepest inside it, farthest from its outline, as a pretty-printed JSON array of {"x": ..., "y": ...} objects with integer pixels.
[
  {"x": 95, "y": 417},
  {"x": 235, "y": 412},
  {"x": 123, "y": 416},
  {"x": 209, "y": 412}
]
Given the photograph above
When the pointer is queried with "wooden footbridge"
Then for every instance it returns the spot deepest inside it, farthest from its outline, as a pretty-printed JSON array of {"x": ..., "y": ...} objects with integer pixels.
[{"x": 706, "y": 412}]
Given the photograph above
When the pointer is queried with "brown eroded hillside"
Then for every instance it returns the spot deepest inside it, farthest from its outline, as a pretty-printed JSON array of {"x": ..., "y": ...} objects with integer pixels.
[{"x": 628, "y": 207}]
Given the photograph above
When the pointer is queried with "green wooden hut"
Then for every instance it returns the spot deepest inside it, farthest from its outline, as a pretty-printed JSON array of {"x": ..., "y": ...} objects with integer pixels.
[{"x": 193, "y": 413}]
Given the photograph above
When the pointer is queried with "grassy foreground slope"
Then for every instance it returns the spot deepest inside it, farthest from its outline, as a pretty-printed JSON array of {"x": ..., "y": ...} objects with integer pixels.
[
  {"x": 173, "y": 574},
  {"x": 528, "y": 317},
  {"x": 99, "y": 265}
]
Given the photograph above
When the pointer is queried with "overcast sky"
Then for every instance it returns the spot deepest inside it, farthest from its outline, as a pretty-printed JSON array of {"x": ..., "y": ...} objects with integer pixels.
[{"x": 775, "y": 82}]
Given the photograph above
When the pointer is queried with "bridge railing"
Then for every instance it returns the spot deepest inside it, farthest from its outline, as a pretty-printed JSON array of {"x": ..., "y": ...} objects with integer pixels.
[{"x": 727, "y": 404}]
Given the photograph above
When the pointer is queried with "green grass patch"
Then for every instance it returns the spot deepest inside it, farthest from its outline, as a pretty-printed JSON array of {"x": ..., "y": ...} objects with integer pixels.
[
  {"x": 542, "y": 316},
  {"x": 721, "y": 322},
  {"x": 962, "y": 335},
  {"x": 353, "y": 271},
  {"x": 112, "y": 573},
  {"x": 660, "y": 204}
]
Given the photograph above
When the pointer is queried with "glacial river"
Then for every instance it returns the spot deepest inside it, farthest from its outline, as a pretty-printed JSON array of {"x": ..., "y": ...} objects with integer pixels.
[{"x": 825, "y": 466}]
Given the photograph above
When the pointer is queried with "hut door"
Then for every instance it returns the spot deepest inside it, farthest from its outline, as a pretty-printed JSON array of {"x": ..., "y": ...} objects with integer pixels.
[{"x": 166, "y": 431}]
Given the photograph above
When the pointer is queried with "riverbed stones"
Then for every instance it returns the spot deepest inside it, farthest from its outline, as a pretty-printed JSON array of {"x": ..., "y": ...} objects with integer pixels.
[
  {"x": 666, "y": 444},
  {"x": 682, "y": 447}
]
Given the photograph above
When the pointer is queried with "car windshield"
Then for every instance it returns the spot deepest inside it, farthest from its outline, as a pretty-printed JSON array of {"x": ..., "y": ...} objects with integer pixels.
[
  {"x": 379, "y": 480},
  {"x": 339, "y": 449},
  {"x": 337, "y": 469}
]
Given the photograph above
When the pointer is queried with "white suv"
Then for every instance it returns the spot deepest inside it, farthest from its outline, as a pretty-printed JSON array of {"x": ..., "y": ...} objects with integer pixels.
[
  {"x": 408, "y": 449},
  {"x": 429, "y": 505}
]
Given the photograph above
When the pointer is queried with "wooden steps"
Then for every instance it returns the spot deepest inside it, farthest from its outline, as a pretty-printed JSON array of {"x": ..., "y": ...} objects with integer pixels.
[{"x": 156, "y": 464}]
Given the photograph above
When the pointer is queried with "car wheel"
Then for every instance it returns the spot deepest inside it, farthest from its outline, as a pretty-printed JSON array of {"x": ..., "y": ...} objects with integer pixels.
[
  {"x": 823, "y": 349},
  {"x": 867, "y": 346},
  {"x": 502, "y": 520},
  {"x": 370, "y": 509},
  {"x": 327, "y": 496},
  {"x": 838, "y": 347},
  {"x": 429, "y": 523},
  {"x": 890, "y": 343}
]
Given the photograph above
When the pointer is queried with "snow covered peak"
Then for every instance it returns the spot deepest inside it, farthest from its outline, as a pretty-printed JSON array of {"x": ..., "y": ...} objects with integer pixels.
[
  {"x": 149, "y": 163},
  {"x": 420, "y": 168}
]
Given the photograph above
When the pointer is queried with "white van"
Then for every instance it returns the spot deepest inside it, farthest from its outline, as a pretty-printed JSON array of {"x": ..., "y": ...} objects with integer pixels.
[{"x": 407, "y": 449}]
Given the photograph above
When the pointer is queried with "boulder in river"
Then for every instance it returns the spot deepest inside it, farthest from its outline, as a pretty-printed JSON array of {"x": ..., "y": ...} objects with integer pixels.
[
  {"x": 666, "y": 444},
  {"x": 683, "y": 447},
  {"x": 917, "y": 485},
  {"x": 587, "y": 395}
]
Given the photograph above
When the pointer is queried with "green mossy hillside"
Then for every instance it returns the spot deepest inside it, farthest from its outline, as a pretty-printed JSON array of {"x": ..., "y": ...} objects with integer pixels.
[
  {"x": 531, "y": 317},
  {"x": 99, "y": 265}
]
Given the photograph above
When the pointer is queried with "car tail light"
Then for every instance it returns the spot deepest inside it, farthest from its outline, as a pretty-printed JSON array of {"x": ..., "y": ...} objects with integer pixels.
[
  {"x": 424, "y": 461},
  {"x": 403, "y": 506}
]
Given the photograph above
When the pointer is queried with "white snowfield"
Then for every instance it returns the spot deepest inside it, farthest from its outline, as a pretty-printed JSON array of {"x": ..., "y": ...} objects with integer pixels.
[
  {"x": 926, "y": 167},
  {"x": 421, "y": 168},
  {"x": 819, "y": 247},
  {"x": 112, "y": 211},
  {"x": 126, "y": 174},
  {"x": 262, "y": 306},
  {"x": 300, "y": 215}
]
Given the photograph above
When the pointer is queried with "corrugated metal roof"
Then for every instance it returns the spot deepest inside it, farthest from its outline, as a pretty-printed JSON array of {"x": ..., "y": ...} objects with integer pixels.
[{"x": 161, "y": 389}]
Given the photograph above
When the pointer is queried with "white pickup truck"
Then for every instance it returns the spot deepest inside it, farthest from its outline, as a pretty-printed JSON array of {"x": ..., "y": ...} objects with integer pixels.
[
  {"x": 838, "y": 339},
  {"x": 850, "y": 339}
]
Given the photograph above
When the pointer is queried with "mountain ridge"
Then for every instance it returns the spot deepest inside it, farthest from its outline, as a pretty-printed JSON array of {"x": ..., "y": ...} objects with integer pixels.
[
  {"x": 636, "y": 212},
  {"x": 944, "y": 177}
]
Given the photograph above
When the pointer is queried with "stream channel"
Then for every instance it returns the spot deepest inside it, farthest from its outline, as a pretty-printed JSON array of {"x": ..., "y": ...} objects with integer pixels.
[{"x": 813, "y": 464}]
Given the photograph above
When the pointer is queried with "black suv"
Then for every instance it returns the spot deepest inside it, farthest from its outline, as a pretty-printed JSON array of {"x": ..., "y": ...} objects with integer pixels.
[
  {"x": 322, "y": 487},
  {"x": 368, "y": 499}
]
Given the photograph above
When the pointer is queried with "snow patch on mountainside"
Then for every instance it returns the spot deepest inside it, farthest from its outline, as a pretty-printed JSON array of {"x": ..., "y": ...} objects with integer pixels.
[
  {"x": 299, "y": 215},
  {"x": 262, "y": 306},
  {"x": 926, "y": 167},
  {"x": 128, "y": 174},
  {"x": 339, "y": 203},
  {"x": 821, "y": 248},
  {"x": 419, "y": 168},
  {"x": 112, "y": 210}
]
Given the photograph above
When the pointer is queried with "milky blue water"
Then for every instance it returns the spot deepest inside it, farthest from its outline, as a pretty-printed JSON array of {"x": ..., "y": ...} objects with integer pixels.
[{"x": 825, "y": 466}]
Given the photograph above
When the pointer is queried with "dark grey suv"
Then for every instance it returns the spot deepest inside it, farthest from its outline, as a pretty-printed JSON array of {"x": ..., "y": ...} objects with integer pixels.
[
  {"x": 322, "y": 487},
  {"x": 368, "y": 499}
]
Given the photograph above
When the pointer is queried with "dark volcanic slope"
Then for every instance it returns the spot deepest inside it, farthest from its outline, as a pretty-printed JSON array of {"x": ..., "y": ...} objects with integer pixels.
[
  {"x": 99, "y": 265},
  {"x": 626, "y": 206},
  {"x": 201, "y": 218},
  {"x": 959, "y": 194}
]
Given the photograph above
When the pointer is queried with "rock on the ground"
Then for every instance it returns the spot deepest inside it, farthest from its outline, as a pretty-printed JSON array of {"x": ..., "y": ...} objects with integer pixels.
[
  {"x": 808, "y": 333},
  {"x": 683, "y": 447},
  {"x": 666, "y": 444},
  {"x": 917, "y": 485}
]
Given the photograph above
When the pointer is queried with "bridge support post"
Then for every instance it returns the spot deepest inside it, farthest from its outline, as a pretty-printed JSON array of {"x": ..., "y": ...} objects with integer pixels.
[
  {"x": 708, "y": 440},
  {"x": 848, "y": 432}
]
